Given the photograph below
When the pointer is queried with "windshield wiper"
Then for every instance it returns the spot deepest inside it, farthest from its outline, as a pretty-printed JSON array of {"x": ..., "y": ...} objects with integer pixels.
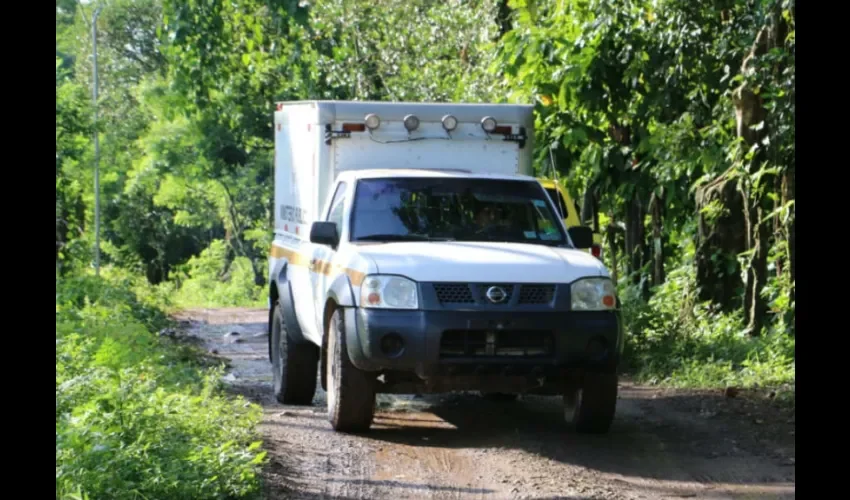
[{"x": 401, "y": 237}]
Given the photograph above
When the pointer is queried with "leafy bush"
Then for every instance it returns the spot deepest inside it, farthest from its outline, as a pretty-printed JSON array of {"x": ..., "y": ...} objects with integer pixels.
[
  {"x": 208, "y": 281},
  {"x": 137, "y": 418},
  {"x": 117, "y": 290},
  {"x": 675, "y": 340}
]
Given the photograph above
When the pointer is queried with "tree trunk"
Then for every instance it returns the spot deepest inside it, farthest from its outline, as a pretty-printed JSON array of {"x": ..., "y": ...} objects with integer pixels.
[
  {"x": 788, "y": 192},
  {"x": 589, "y": 215},
  {"x": 656, "y": 208},
  {"x": 635, "y": 240},
  {"x": 721, "y": 236},
  {"x": 503, "y": 18},
  {"x": 749, "y": 112},
  {"x": 611, "y": 232},
  {"x": 778, "y": 227},
  {"x": 758, "y": 235}
]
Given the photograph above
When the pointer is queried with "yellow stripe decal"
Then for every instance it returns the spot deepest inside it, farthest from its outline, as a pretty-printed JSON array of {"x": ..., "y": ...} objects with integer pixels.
[{"x": 316, "y": 265}]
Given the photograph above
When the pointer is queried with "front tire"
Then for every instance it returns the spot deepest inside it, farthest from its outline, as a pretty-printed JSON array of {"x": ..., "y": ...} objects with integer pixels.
[
  {"x": 590, "y": 408},
  {"x": 351, "y": 392},
  {"x": 294, "y": 365}
]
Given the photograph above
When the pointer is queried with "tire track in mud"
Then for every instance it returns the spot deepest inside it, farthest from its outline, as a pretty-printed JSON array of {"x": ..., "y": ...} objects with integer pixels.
[{"x": 664, "y": 444}]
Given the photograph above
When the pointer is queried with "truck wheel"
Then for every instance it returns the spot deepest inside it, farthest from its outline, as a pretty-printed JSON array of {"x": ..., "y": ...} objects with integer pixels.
[
  {"x": 351, "y": 392},
  {"x": 294, "y": 365},
  {"x": 590, "y": 408}
]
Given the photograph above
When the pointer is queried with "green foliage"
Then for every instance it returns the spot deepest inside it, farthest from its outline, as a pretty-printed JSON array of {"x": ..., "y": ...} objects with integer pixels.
[
  {"x": 635, "y": 97},
  {"x": 207, "y": 281},
  {"x": 403, "y": 50},
  {"x": 138, "y": 418},
  {"x": 624, "y": 89},
  {"x": 73, "y": 126},
  {"x": 780, "y": 303},
  {"x": 675, "y": 340},
  {"x": 117, "y": 290}
]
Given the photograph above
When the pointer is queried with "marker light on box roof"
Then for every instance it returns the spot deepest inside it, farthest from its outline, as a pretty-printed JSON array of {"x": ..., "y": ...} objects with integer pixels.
[
  {"x": 449, "y": 123},
  {"x": 411, "y": 123},
  {"x": 488, "y": 123},
  {"x": 372, "y": 121}
]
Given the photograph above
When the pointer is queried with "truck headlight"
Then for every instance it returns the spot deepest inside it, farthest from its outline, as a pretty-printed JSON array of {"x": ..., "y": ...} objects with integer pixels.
[
  {"x": 593, "y": 294},
  {"x": 389, "y": 292}
]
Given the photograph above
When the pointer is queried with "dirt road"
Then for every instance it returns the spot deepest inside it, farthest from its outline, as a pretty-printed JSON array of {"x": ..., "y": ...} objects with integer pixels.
[{"x": 664, "y": 444}]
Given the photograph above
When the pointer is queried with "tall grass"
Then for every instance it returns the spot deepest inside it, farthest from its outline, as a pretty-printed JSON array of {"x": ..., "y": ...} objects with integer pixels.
[{"x": 138, "y": 416}]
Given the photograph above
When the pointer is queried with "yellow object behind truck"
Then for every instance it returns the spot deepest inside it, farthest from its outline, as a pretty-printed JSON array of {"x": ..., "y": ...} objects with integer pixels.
[{"x": 570, "y": 212}]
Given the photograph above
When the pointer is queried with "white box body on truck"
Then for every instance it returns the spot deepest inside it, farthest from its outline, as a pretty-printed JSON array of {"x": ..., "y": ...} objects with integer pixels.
[{"x": 415, "y": 253}]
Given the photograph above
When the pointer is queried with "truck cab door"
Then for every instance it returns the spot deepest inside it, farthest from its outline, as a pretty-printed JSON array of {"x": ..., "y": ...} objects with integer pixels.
[{"x": 321, "y": 270}]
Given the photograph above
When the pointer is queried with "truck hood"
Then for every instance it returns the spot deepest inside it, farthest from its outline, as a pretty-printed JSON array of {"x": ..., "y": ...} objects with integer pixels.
[{"x": 480, "y": 261}]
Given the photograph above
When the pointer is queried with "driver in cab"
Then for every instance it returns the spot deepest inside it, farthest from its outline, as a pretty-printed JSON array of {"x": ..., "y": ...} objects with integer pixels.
[{"x": 491, "y": 218}]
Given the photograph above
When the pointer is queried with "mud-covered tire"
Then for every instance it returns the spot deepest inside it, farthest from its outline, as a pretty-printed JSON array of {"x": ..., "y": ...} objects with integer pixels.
[
  {"x": 590, "y": 408},
  {"x": 294, "y": 365},
  {"x": 351, "y": 392}
]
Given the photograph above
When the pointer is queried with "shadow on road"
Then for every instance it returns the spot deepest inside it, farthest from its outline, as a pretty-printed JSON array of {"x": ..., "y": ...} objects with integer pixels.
[{"x": 661, "y": 439}]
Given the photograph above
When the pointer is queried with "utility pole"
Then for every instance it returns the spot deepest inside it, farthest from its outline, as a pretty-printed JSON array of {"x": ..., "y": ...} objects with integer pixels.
[{"x": 96, "y": 146}]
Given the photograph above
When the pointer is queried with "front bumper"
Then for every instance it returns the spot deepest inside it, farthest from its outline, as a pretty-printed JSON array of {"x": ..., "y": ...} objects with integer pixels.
[{"x": 434, "y": 341}]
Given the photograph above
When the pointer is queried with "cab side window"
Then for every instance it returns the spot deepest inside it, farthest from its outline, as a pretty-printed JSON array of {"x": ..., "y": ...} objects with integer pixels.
[{"x": 337, "y": 204}]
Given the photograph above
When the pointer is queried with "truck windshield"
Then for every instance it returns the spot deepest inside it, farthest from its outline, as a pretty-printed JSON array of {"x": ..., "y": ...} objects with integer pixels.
[{"x": 422, "y": 209}]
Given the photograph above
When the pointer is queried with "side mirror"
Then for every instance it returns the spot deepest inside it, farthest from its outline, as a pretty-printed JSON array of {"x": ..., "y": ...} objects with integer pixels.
[
  {"x": 582, "y": 236},
  {"x": 324, "y": 233}
]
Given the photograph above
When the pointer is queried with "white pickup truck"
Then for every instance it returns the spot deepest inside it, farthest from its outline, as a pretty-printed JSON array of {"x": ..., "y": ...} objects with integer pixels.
[{"x": 415, "y": 253}]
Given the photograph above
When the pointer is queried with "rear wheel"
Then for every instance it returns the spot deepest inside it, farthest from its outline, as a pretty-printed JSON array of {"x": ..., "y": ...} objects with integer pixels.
[
  {"x": 591, "y": 407},
  {"x": 294, "y": 365},
  {"x": 351, "y": 392}
]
